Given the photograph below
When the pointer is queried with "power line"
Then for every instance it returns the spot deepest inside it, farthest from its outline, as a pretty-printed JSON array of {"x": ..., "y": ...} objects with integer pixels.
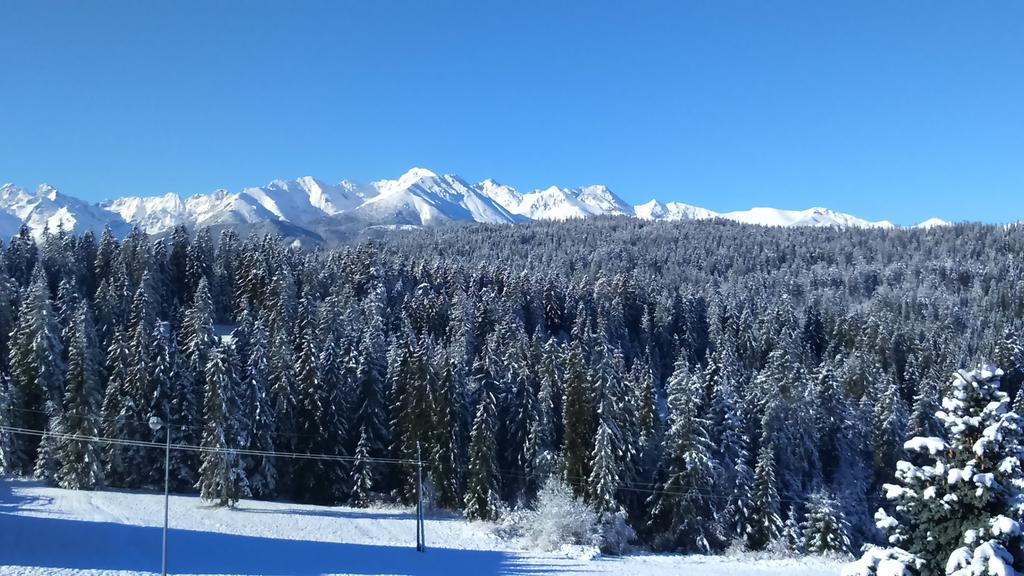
[
  {"x": 202, "y": 449},
  {"x": 638, "y": 487},
  {"x": 121, "y": 418}
]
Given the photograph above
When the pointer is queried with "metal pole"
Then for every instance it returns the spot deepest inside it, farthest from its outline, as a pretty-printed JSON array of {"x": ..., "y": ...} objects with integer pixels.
[
  {"x": 167, "y": 483},
  {"x": 419, "y": 501}
]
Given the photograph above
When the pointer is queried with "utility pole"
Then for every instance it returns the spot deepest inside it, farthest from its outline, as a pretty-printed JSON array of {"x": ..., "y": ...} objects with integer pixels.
[
  {"x": 420, "y": 537},
  {"x": 155, "y": 423}
]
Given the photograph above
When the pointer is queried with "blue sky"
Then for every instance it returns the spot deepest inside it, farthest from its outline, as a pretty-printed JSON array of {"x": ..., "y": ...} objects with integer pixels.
[{"x": 898, "y": 110}]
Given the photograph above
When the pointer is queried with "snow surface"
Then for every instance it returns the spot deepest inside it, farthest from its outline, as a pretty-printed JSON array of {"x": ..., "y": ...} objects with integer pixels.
[{"x": 51, "y": 531}]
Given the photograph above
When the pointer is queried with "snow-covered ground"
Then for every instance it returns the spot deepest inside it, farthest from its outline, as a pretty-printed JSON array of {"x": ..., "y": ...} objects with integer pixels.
[{"x": 51, "y": 531}]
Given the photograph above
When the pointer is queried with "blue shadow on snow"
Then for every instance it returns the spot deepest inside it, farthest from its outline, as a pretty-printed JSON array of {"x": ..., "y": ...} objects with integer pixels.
[{"x": 76, "y": 544}]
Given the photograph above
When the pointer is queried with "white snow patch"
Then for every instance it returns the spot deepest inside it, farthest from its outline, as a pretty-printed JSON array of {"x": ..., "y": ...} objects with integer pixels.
[{"x": 49, "y": 531}]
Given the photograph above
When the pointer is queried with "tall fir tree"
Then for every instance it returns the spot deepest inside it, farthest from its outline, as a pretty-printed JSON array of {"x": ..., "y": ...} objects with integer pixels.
[
  {"x": 222, "y": 477},
  {"x": 683, "y": 508},
  {"x": 577, "y": 421},
  {"x": 80, "y": 461},
  {"x": 37, "y": 373},
  {"x": 481, "y": 499},
  {"x": 362, "y": 473},
  {"x": 765, "y": 522}
]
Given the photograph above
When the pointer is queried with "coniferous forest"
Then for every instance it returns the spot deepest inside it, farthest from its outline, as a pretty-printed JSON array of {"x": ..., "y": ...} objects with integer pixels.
[{"x": 710, "y": 383}]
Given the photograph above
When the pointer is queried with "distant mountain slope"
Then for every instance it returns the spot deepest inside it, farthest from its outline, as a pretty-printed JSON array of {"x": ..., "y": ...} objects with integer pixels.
[{"x": 417, "y": 198}]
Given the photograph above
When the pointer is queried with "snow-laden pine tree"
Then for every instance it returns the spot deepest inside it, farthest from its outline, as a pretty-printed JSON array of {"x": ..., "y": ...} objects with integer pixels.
[
  {"x": 481, "y": 499},
  {"x": 604, "y": 473},
  {"x": 683, "y": 509},
  {"x": 7, "y": 439},
  {"x": 116, "y": 402},
  {"x": 369, "y": 405},
  {"x": 888, "y": 426},
  {"x": 262, "y": 469},
  {"x": 197, "y": 334},
  {"x": 362, "y": 473},
  {"x": 446, "y": 446},
  {"x": 80, "y": 463},
  {"x": 959, "y": 513},
  {"x": 765, "y": 520},
  {"x": 792, "y": 537},
  {"x": 517, "y": 400},
  {"x": 824, "y": 529},
  {"x": 172, "y": 399},
  {"x": 316, "y": 478},
  {"x": 37, "y": 375},
  {"x": 922, "y": 420},
  {"x": 222, "y": 477},
  {"x": 411, "y": 377},
  {"x": 577, "y": 422}
]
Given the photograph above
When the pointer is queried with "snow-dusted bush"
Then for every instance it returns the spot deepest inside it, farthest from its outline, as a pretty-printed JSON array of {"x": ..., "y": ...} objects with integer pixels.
[
  {"x": 615, "y": 533},
  {"x": 560, "y": 518}
]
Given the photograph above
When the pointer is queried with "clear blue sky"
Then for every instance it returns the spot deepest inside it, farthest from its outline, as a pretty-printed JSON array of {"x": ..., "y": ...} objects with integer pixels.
[{"x": 899, "y": 110}]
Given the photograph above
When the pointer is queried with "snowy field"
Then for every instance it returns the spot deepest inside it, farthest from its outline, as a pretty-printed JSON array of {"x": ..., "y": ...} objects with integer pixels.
[{"x": 49, "y": 531}]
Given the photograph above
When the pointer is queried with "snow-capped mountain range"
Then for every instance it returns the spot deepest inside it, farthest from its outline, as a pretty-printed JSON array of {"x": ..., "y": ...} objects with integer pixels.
[{"x": 417, "y": 198}]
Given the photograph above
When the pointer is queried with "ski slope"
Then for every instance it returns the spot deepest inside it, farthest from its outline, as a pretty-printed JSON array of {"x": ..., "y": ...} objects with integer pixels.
[{"x": 49, "y": 531}]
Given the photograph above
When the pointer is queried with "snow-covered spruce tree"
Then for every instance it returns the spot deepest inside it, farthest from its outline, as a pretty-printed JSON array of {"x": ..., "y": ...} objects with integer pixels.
[
  {"x": 481, "y": 498},
  {"x": 337, "y": 380},
  {"x": 445, "y": 444},
  {"x": 411, "y": 410},
  {"x": 7, "y": 439},
  {"x": 824, "y": 529},
  {"x": 683, "y": 510},
  {"x": 604, "y": 474},
  {"x": 614, "y": 402},
  {"x": 518, "y": 412},
  {"x": 116, "y": 401},
  {"x": 1009, "y": 356},
  {"x": 733, "y": 451},
  {"x": 222, "y": 473},
  {"x": 370, "y": 413},
  {"x": 577, "y": 418},
  {"x": 284, "y": 403},
  {"x": 888, "y": 425},
  {"x": 549, "y": 405},
  {"x": 792, "y": 537},
  {"x": 765, "y": 521},
  {"x": 37, "y": 374},
  {"x": 80, "y": 463},
  {"x": 172, "y": 398},
  {"x": 362, "y": 473},
  {"x": 957, "y": 515},
  {"x": 261, "y": 470},
  {"x": 312, "y": 476},
  {"x": 922, "y": 420}
]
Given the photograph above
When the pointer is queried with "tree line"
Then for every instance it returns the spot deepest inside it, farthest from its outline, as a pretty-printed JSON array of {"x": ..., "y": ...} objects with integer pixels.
[{"x": 711, "y": 383}]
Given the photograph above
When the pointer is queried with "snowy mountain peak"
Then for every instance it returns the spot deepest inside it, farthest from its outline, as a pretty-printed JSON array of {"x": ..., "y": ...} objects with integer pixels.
[
  {"x": 932, "y": 223},
  {"x": 819, "y": 217},
  {"x": 672, "y": 211},
  {"x": 46, "y": 191},
  {"x": 415, "y": 175},
  {"x": 419, "y": 197},
  {"x": 601, "y": 200}
]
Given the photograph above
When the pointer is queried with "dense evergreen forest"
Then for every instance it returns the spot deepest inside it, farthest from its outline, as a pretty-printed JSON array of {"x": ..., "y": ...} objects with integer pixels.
[{"x": 709, "y": 382}]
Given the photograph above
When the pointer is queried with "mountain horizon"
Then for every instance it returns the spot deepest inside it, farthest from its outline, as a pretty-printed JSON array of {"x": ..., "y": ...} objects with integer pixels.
[{"x": 418, "y": 197}]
